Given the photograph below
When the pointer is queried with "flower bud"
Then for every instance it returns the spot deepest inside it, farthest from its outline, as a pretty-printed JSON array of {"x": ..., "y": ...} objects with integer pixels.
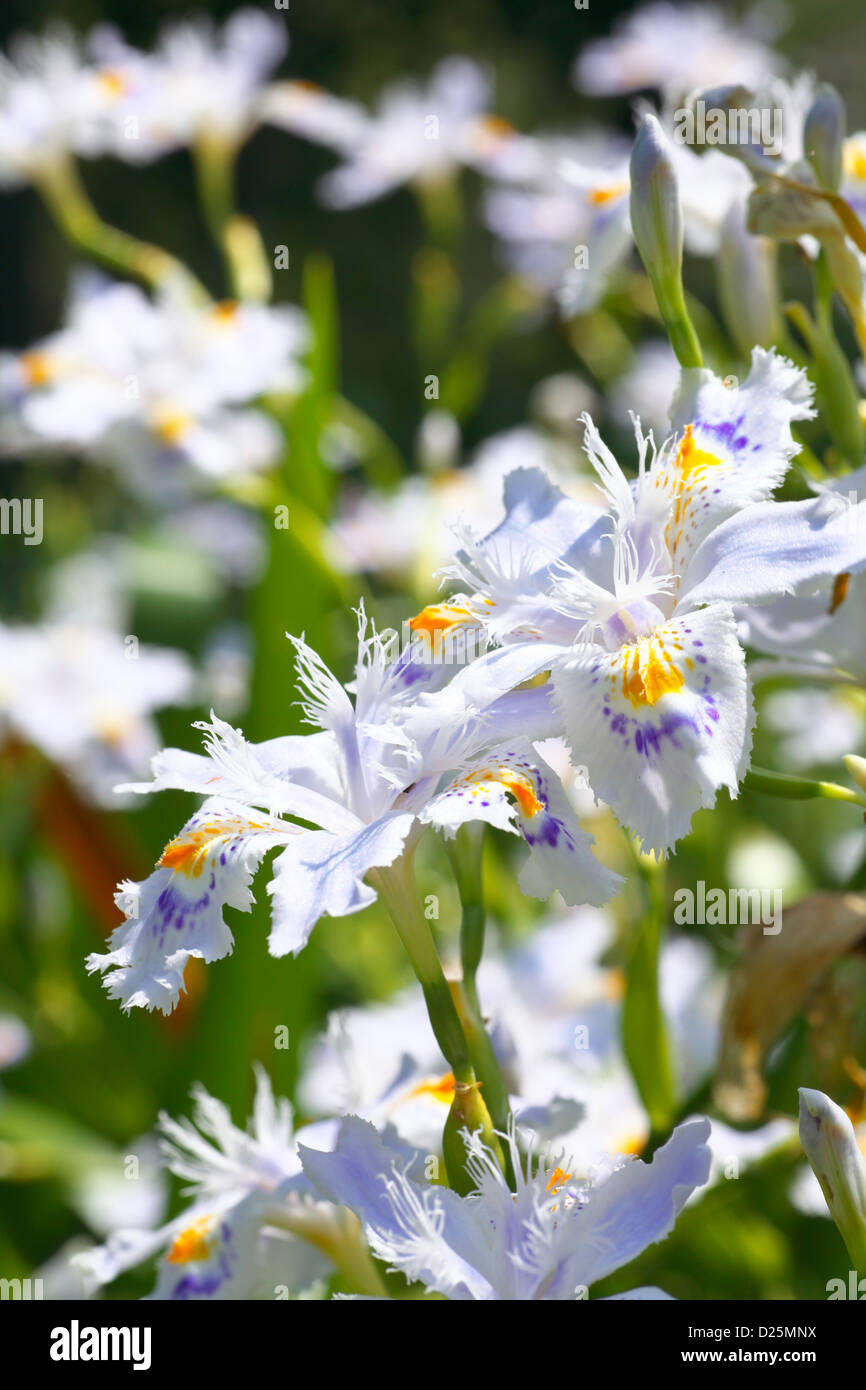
[
  {"x": 656, "y": 213},
  {"x": 857, "y": 768},
  {"x": 828, "y": 1137},
  {"x": 823, "y": 135},
  {"x": 657, "y": 225},
  {"x": 748, "y": 284}
]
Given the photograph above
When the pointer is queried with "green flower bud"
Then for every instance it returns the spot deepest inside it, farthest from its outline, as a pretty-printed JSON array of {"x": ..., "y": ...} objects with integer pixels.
[
  {"x": 828, "y": 1137},
  {"x": 657, "y": 225},
  {"x": 823, "y": 134}
]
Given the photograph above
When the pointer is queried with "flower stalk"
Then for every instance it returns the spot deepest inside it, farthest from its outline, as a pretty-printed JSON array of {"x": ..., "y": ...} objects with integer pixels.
[
  {"x": 63, "y": 193},
  {"x": 396, "y": 885},
  {"x": 759, "y": 779},
  {"x": 465, "y": 852},
  {"x": 237, "y": 236}
]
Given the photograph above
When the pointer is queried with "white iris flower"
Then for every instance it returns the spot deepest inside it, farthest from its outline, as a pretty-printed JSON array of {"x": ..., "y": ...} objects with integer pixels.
[
  {"x": 650, "y": 680},
  {"x": 551, "y": 1239},
  {"x": 376, "y": 772}
]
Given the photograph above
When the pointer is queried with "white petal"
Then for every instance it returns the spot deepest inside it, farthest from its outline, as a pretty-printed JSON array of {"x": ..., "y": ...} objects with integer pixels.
[
  {"x": 512, "y": 568},
  {"x": 776, "y": 548},
  {"x": 663, "y": 724},
  {"x": 732, "y": 446},
  {"x": 513, "y": 790},
  {"x": 296, "y": 775},
  {"x": 321, "y": 874},
  {"x": 178, "y": 911},
  {"x": 638, "y": 1204},
  {"x": 424, "y": 1230}
]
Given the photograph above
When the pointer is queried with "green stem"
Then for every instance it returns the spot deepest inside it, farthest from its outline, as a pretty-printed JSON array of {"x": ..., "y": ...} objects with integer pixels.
[
  {"x": 396, "y": 885},
  {"x": 683, "y": 338},
  {"x": 838, "y": 394},
  {"x": 465, "y": 852},
  {"x": 60, "y": 186},
  {"x": 249, "y": 272},
  {"x": 644, "y": 1032},
  {"x": 799, "y": 788},
  {"x": 214, "y": 161}
]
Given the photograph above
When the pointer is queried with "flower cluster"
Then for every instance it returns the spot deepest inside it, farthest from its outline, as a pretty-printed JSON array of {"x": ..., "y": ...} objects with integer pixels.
[{"x": 580, "y": 621}]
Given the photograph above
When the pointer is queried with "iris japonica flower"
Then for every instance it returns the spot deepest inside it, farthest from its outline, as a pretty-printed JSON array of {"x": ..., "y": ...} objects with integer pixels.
[
  {"x": 376, "y": 772},
  {"x": 553, "y": 1238},
  {"x": 254, "y": 1222},
  {"x": 650, "y": 679},
  {"x": 674, "y": 48},
  {"x": 77, "y": 691},
  {"x": 201, "y": 82},
  {"x": 561, "y": 194},
  {"x": 60, "y": 97},
  {"x": 166, "y": 386},
  {"x": 417, "y": 135}
]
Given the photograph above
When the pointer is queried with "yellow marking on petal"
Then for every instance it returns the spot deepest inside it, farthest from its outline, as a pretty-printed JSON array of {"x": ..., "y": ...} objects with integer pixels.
[
  {"x": 649, "y": 672},
  {"x": 633, "y": 1144},
  {"x": 172, "y": 425},
  {"x": 187, "y": 854},
  {"x": 225, "y": 312},
  {"x": 691, "y": 465},
  {"x": 36, "y": 367},
  {"x": 498, "y": 128},
  {"x": 523, "y": 791},
  {"x": 441, "y": 1089},
  {"x": 557, "y": 1178},
  {"x": 519, "y": 784},
  {"x": 439, "y": 617},
  {"x": 841, "y": 585},
  {"x": 112, "y": 81},
  {"x": 690, "y": 460},
  {"x": 192, "y": 1243},
  {"x": 114, "y": 728},
  {"x": 605, "y": 194},
  {"x": 854, "y": 158},
  {"x": 614, "y": 984},
  {"x": 443, "y": 478}
]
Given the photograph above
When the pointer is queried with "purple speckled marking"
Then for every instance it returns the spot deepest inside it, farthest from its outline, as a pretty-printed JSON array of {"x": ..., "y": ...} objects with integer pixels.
[
  {"x": 725, "y": 430},
  {"x": 204, "y": 1285},
  {"x": 647, "y": 737},
  {"x": 173, "y": 909}
]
